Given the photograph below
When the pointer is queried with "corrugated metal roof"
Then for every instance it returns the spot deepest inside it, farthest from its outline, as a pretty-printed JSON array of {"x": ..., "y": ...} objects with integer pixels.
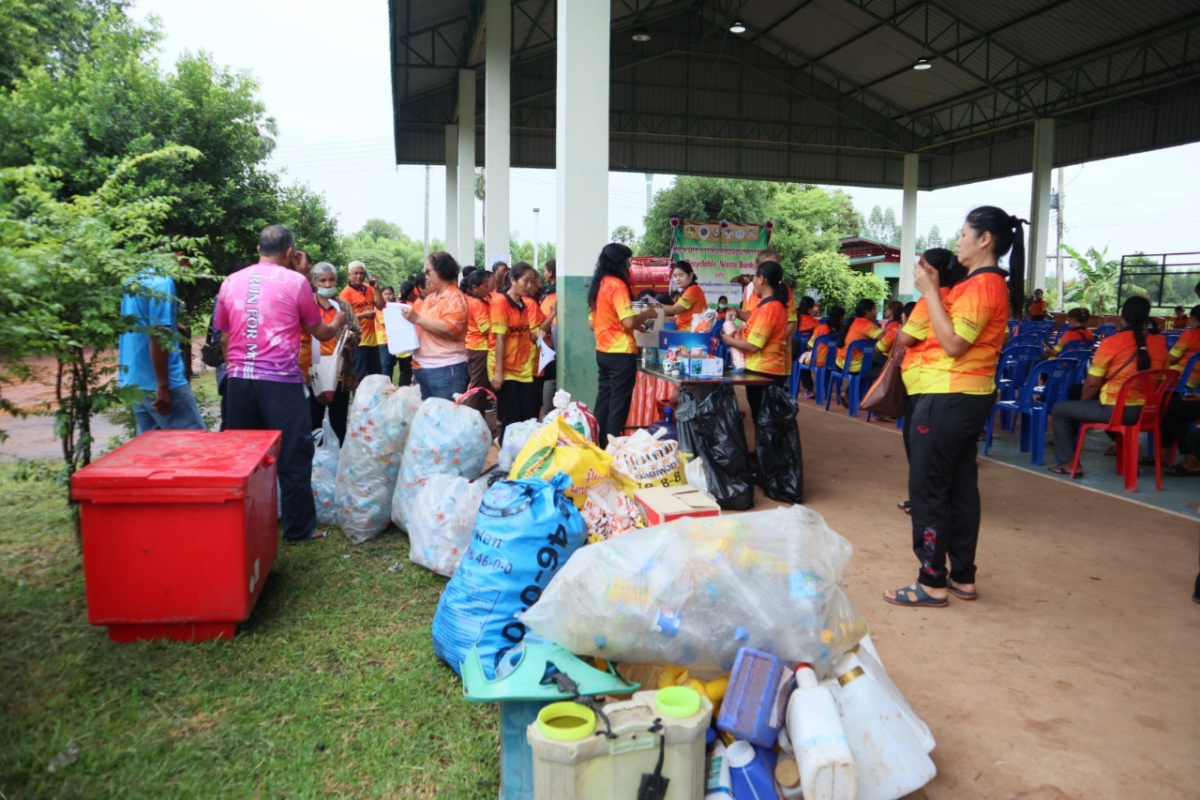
[{"x": 823, "y": 91}]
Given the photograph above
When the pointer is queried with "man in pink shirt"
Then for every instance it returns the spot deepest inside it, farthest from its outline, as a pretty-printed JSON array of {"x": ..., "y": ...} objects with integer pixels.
[{"x": 261, "y": 312}]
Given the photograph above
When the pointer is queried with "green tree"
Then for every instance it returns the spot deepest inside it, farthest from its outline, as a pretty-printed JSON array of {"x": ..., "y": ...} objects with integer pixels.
[
  {"x": 315, "y": 227},
  {"x": 1096, "y": 289},
  {"x": 708, "y": 199},
  {"x": 54, "y": 34},
  {"x": 382, "y": 229},
  {"x": 829, "y": 274},
  {"x": 625, "y": 235},
  {"x": 808, "y": 220}
]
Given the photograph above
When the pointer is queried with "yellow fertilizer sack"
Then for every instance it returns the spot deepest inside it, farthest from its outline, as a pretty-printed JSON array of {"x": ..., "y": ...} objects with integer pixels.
[{"x": 557, "y": 447}]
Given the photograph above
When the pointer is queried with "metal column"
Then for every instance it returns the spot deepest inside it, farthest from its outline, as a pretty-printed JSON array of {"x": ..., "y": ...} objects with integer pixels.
[
  {"x": 498, "y": 55},
  {"x": 908, "y": 230}
]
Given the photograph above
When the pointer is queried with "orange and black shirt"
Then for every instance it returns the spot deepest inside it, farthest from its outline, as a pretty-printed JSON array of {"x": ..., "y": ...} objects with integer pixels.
[
  {"x": 694, "y": 301},
  {"x": 1187, "y": 345},
  {"x": 613, "y": 306},
  {"x": 517, "y": 322},
  {"x": 1116, "y": 362},
  {"x": 822, "y": 352},
  {"x": 890, "y": 331},
  {"x": 1037, "y": 308},
  {"x": 479, "y": 323},
  {"x": 1074, "y": 335},
  {"x": 767, "y": 329},
  {"x": 860, "y": 328}
]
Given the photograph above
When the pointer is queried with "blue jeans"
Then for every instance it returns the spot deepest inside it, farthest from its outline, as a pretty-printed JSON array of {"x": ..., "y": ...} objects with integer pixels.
[
  {"x": 184, "y": 414},
  {"x": 366, "y": 361},
  {"x": 443, "y": 382},
  {"x": 387, "y": 363}
]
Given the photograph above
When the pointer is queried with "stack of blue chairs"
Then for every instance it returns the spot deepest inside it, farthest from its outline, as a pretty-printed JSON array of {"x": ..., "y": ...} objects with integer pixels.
[
  {"x": 820, "y": 375},
  {"x": 1033, "y": 413}
]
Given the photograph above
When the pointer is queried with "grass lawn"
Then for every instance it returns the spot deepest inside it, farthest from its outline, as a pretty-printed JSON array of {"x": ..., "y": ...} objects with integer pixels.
[{"x": 331, "y": 687}]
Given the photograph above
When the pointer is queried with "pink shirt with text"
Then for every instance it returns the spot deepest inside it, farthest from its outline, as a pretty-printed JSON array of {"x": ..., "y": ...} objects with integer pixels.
[{"x": 263, "y": 307}]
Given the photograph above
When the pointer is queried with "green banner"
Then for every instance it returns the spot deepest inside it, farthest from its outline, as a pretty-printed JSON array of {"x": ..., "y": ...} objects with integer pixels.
[{"x": 720, "y": 253}]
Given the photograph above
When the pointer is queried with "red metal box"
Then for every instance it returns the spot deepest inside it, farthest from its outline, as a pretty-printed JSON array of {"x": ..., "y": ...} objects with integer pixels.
[{"x": 180, "y": 529}]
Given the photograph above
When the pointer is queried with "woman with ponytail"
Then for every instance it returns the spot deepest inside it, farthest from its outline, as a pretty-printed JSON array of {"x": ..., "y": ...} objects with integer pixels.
[
  {"x": 861, "y": 326},
  {"x": 1117, "y": 359},
  {"x": 952, "y": 390},
  {"x": 764, "y": 338},
  {"x": 478, "y": 286}
]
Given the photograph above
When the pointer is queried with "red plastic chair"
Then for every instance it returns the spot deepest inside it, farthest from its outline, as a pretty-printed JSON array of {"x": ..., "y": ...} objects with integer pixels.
[{"x": 1157, "y": 385}]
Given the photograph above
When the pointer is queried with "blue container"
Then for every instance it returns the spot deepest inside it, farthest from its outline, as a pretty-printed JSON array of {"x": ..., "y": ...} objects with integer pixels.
[
  {"x": 516, "y": 758},
  {"x": 756, "y": 700},
  {"x": 751, "y": 771},
  {"x": 685, "y": 339}
]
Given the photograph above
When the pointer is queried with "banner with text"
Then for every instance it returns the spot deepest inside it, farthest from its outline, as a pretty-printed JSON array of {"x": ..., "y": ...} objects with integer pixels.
[{"x": 719, "y": 252}]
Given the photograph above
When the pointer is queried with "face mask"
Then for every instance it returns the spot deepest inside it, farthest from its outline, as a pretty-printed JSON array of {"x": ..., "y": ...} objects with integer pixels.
[
  {"x": 721, "y": 307},
  {"x": 327, "y": 292}
]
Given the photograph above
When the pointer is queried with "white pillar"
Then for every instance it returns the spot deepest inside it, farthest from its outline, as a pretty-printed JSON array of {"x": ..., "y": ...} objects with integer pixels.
[
  {"x": 581, "y": 137},
  {"x": 498, "y": 56},
  {"x": 465, "y": 250},
  {"x": 1039, "y": 206},
  {"x": 451, "y": 240},
  {"x": 908, "y": 228}
]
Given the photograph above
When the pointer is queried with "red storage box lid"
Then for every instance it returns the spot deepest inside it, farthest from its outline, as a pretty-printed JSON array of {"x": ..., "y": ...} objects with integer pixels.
[{"x": 194, "y": 464}]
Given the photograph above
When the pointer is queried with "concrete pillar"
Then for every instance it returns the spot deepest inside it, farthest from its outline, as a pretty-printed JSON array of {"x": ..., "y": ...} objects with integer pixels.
[
  {"x": 496, "y": 140},
  {"x": 1040, "y": 234},
  {"x": 451, "y": 239},
  {"x": 465, "y": 250},
  {"x": 908, "y": 227},
  {"x": 581, "y": 135}
]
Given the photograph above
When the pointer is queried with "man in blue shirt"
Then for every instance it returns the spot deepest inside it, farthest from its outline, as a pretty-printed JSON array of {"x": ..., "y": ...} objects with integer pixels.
[{"x": 152, "y": 362}]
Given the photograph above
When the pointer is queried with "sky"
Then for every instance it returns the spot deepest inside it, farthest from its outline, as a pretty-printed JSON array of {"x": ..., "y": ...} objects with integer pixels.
[{"x": 324, "y": 75}]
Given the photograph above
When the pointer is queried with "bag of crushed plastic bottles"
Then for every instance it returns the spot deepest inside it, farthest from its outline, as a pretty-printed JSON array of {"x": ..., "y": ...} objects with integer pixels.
[
  {"x": 324, "y": 474},
  {"x": 575, "y": 414},
  {"x": 377, "y": 430},
  {"x": 525, "y": 531},
  {"x": 442, "y": 520},
  {"x": 693, "y": 591},
  {"x": 609, "y": 512},
  {"x": 447, "y": 438},
  {"x": 515, "y": 437},
  {"x": 644, "y": 460}
]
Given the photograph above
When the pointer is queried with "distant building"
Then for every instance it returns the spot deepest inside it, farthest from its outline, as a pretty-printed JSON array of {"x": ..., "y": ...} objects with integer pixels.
[{"x": 878, "y": 258}]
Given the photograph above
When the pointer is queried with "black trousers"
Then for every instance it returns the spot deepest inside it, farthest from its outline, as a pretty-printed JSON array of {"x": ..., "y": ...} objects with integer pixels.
[
  {"x": 406, "y": 378},
  {"x": 943, "y": 483},
  {"x": 754, "y": 394},
  {"x": 614, "y": 392},
  {"x": 1175, "y": 423},
  {"x": 516, "y": 402},
  {"x": 339, "y": 411},
  {"x": 366, "y": 361},
  {"x": 274, "y": 406}
]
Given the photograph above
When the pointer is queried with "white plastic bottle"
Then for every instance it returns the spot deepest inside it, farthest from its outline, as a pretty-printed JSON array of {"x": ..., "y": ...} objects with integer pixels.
[
  {"x": 873, "y": 667},
  {"x": 719, "y": 785},
  {"x": 891, "y": 759},
  {"x": 827, "y": 768}
]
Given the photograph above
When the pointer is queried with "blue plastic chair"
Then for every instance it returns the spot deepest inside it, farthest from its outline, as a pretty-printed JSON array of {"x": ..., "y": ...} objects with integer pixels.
[
  {"x": 1077, "y": 346},
  {"x": 1181, "y": 386},
  {"x": 1015, "y": 363},
  {"x": 1033, "y": 413},
  {"x": 801, "y": 338},
  {"x": 820, "y": 375},
  {"x": 1024, "y": 339},
  {"x": 1172, "y": 337},
  {"x": 1104, "y": 331},
  {"x": 853, "y": 380},
  {"x": 1058, "y": 331}
]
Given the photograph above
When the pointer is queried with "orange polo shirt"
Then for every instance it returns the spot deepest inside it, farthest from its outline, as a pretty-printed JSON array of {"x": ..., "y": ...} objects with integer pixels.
[
  {"x": 1037, "y": 308},
  {"x": 822, "y": 352},
  {"x": 693, "y": 300},
  {"x": 612, "y": 307},
  {"x": 767, "y": 328},
  {"x": 360, "y": 302},
  {"x": 1185, "y": 347},
  {"x": 517, "y": 324},
  {"x": 890, "y": 331},
  {"x": 479, "y": 323},
  {"x": 1180, "y": 322},
  {"x": 978, "y": 308},
  {"x": 860, "y": 328},
  {"x": 1074, "y": 335},
  {"x": 806, "y": 323},
  {"x": 917, "y": 326},
  {"x": 1115, "y": 363},
  {"x": 752, "y": 302}
]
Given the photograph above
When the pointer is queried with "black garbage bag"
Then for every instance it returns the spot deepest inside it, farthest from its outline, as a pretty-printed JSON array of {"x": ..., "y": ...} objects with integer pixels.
[
  {"x": 710, "y": 424},
  {"x": 777, "y": 442}
]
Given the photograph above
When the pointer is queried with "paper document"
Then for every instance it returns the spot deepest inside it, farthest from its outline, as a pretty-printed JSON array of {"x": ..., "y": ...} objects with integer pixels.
[
  {"x": 402, "y": 334},
  {"x": 545, "y": 355}
]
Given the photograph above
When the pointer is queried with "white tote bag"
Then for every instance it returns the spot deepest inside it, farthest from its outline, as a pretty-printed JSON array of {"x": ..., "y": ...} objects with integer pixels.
[{"x": 327, "y": 369}]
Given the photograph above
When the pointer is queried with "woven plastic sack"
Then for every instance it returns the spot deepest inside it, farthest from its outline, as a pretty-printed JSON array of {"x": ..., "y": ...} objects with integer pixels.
[
  {"x": 644, "y": 460},
  {"x": 442, "y": 519},
  {"x": 324, "y": 474},
  {"x": 525, "y": 531},
  {"x": 692, "y": 591},
  {"x": 557, "y": 447},
  {"x": 515, "y": 437},
  {"x": 376, "y": 433},
  {"x": 609, "y": 512},
  {"x": 577, "y": 415},
  {"x": 447, "y": 438}
]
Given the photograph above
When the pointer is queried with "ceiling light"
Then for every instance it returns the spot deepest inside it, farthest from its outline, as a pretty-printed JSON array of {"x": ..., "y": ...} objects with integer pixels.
[
  {"x": 922, "y": 64},
  {"x": 737, "y": 27},
  {"x": 640, "y": 34}
]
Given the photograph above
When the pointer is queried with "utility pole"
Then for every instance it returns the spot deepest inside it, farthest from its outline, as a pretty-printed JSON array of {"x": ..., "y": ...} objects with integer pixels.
[
  {"x": 426, "y": 211},
  {"x": 649, "y": 190},
  {"x": 1060, "y": 280}
]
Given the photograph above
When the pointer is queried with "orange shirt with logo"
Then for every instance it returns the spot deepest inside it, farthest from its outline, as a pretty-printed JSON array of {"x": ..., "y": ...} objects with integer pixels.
[
  {"x": 693, "y": 300},
  {"x": 1186, "y": 346},
  {"x": 1116, "y": 362},
  {"x": 360, "y": 302},
  {"x": 752, "y": 302},
  {"x": 517, "y": 323},
  {"x": 767, "y": 328},
  {"x": 612, "y": 307},
  {"x": 860, "y": 328},
  {"x": 479, "y": 322},
  {"x": 978, "y": 308},
  {"x": 822, "y": 353}
]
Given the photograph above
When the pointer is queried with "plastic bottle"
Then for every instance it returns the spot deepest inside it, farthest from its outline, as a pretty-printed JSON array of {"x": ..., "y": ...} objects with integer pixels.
[
  {"x": 873, "y": 667},
  {"x": 718, "y": 786},
  {"x": 891, "y": 759},
  {"x": 787, "y": 779},
  {"x": 751, "y": 774},
  {"x": 827, "y": 762}
]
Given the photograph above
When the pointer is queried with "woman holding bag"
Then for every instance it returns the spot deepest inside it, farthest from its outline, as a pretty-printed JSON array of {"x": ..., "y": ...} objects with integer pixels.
[{"x": 326, "y": 278}]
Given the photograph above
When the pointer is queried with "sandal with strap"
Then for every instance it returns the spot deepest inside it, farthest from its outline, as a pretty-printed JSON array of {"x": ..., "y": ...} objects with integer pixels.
[
  {"x": 1065, "y": 470},
  {"x": 915, "y": 596}
]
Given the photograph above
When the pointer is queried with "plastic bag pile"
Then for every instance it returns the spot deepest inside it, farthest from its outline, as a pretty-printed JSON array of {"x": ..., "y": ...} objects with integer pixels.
[
  {"x": 324, "y": 475},
  {"x": 442, "y": 520}
]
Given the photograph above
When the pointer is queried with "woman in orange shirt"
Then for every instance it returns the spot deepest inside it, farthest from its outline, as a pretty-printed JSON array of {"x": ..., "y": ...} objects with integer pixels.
[
  {"x": 691, "y": 302},
  {"x": 517, "y": 323},
  {"x": 1077, "y": 331},
  {"x": 1037, "y": 307},
  {"x": 478, "y": 286},
  {"x": 861, "y": 326},
  {"x": 764, "y": 338},
  {"x": 613, "y": 321},
  {"x": 954, "y": 388}
]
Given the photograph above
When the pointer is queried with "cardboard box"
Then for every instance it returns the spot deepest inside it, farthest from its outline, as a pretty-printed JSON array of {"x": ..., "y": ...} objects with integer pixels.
[
  {"x": 663, "y": 504},
  {"x": 704, "y": 367}
]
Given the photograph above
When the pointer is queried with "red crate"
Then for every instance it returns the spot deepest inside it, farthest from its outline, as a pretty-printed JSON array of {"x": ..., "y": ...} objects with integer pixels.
[{"x": 180, "y": 529}]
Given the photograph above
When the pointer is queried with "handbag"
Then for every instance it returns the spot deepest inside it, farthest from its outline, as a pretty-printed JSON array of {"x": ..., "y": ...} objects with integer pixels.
[
  {"x": 326, "y": 372},
  {"x": 211, "y": 352},
  {"x": 887, "y": 395}
]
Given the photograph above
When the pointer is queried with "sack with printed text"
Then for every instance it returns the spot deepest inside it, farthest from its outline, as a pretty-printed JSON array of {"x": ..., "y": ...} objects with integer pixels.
[
  {"x": 644, "y": 460},
  {"x": 557, "y": 447}
]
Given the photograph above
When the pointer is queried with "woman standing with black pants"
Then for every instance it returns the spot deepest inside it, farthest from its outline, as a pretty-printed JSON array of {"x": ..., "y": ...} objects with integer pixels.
[
  {"x": 953, "y": 395},
  {"x": 764, "y": 340},
  {"x": 613, "y": 321}
]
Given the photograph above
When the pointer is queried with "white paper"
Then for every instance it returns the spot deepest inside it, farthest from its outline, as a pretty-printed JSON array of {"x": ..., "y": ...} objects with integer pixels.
[
  {"x": 545, "y": 355},
  {"x": 402, "y": 334}
]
